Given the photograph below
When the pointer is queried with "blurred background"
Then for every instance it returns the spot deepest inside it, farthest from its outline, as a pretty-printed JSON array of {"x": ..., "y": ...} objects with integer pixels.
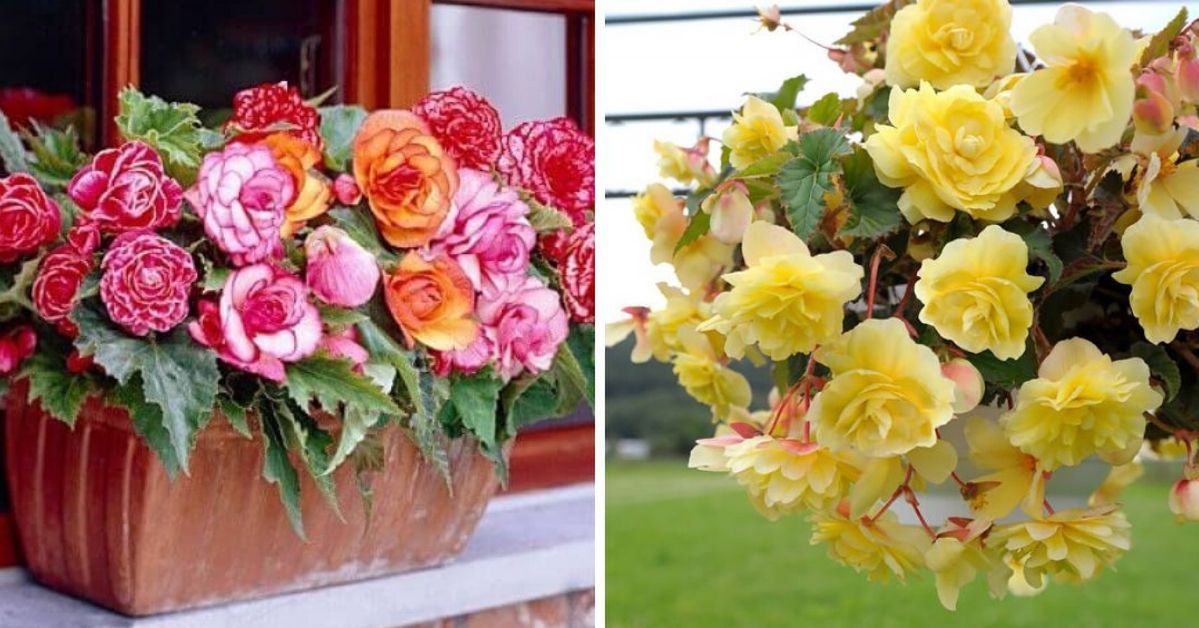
[{"x": 685, "y": 547}]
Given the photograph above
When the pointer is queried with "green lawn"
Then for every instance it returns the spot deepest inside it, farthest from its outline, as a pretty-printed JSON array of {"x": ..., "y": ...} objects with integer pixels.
[{"x": 684, "y": 548}]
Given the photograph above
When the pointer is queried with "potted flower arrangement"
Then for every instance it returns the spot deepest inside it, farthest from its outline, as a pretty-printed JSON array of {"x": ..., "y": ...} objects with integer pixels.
[
  {"x": 981, "y": 225},
  {"x": 345, "y": 307}
]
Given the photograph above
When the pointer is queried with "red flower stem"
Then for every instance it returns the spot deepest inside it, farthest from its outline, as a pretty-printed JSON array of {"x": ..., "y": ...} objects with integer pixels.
[
  {"x": 784, "y": 406},
  {"x": 915, "y": 504},
  {"x": 903, "y": 300},
  {"x": 957, "y": 478},
  {"x": 875, "y": 260},
  {"x": 894, "y": 496}
]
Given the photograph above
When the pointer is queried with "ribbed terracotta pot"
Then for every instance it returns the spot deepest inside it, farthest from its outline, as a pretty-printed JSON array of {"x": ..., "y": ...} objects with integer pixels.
[{"x": 99, "y": 519}]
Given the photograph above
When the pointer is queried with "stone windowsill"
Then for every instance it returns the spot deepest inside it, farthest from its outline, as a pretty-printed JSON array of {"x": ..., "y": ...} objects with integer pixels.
[{"x": 528, "y": 546}]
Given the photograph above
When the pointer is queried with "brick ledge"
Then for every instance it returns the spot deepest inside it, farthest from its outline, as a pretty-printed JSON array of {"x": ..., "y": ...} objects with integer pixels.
[{"x": 529, "y": 546}]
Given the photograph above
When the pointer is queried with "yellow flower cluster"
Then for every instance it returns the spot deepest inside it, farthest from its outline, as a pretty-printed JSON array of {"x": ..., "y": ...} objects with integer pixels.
[
  {"x": 950, "y": 42},
  {"x": 887, "y": 395},
  {"x": 976, "y": 293},
  {"x": 870, "y": 379},
  {"x": 780, "y": 475},
  {"x": 663, "y": 220},
  {"x": 787, "y": 300},
  {"x": 1082, "y": 402},
  {"x": 757, "y": 131},
  {"x": 1085, "y": 93},
  {"x": 1070, "y": 545},
  {"x": 951, "y": 150},
  {"x": 881, "y": 547},
  {"x": 1163, "y": 270},
  {"x": 704, "y": 377}
]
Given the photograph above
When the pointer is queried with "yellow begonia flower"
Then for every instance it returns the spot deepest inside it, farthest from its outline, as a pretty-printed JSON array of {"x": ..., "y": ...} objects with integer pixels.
[
  {"x": 950, "y": 150},
  {"x": 662, "y": 326},
  {"x": 703, "y": 376},
  {"x": 661, "y": 216},
  {"x": 1000, "y": 92},
  {"x": 1012, "y": 579},
  {"x": 683, "y": 165},
  {"x": 1163, "y": 270},
  {"x": 757, "y": 131},
  {"x": 1086, "y": 92},
  {"x": 955, "y": 563},
  {"x": 786, "y": 475},
  {"x": 786, "y": 301},
  {"x": 976, "y": 293},
  {"x": 950, "y": 42},
  {"x": 1071, "y": 545},
  {"x": 1016, "y": 479},
  {"x": 649, "y": 208},
  {"x": 881, "y": 548},
  {"x": 887, "y": 395},
  {"x": 616, "y": 332},
  {"x": 1081, "y": 403},
  {"x": 1167, "y": 188}
]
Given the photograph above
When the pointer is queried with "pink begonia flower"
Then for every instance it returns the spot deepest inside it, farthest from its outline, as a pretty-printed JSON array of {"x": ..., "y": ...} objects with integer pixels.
[
  {"x": 146, "y": 282},
  {"x": 125, "y": 188},
  {"x": 242, "y": 194},
  {"x": 527, "y": 323},
  {"x": 16, "y": 344},
  {"x": 264, "y": 319},
  {"x": 340, "y": 272},
  {"x": 487, "y": 231}
]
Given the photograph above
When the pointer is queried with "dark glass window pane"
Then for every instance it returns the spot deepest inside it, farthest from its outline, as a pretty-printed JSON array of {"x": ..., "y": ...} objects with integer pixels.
[
  {"x": 204, "y": 52},
  {"x": 43, "y": 61}
]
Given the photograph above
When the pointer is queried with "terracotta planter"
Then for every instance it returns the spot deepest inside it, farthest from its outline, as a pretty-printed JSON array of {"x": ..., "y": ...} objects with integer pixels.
[{"x": 99, "y": 519}]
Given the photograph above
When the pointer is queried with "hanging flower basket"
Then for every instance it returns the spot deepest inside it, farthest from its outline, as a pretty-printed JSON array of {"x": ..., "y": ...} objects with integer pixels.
[
  {"x": 311, "y": 317},
  {"x": 980, "y": 224}
]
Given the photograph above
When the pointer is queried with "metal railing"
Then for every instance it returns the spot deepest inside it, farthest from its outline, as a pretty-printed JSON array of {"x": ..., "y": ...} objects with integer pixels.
[{"x": 702, "y": 117}]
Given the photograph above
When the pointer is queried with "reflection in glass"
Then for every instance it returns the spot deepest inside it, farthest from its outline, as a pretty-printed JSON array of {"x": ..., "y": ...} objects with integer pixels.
[
  {"x": 524, "y": 77},
  {"x": 204, "y": 52},
  {"x": 44, "y": 72}
]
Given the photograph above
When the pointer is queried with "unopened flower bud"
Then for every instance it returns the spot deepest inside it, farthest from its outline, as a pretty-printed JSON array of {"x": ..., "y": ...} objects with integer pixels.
[
  {"x": 731, "y": 212},
  {"x": 967, "y": 384},
  {"x": 1184, "y": 500},
  {"x": 346, "y": 190},
  {"x": 340, "y": 272}
]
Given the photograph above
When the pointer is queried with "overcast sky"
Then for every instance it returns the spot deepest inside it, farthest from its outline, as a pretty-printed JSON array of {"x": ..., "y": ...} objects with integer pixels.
[{"x": 708, "y": 64}]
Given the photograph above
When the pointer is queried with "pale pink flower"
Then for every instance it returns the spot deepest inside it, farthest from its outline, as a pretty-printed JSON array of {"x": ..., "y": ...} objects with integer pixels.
[
  {"x": 242, "y": 195},
  {"x": 487, "y": 231},
  {"x": 527, "y": 322}
]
